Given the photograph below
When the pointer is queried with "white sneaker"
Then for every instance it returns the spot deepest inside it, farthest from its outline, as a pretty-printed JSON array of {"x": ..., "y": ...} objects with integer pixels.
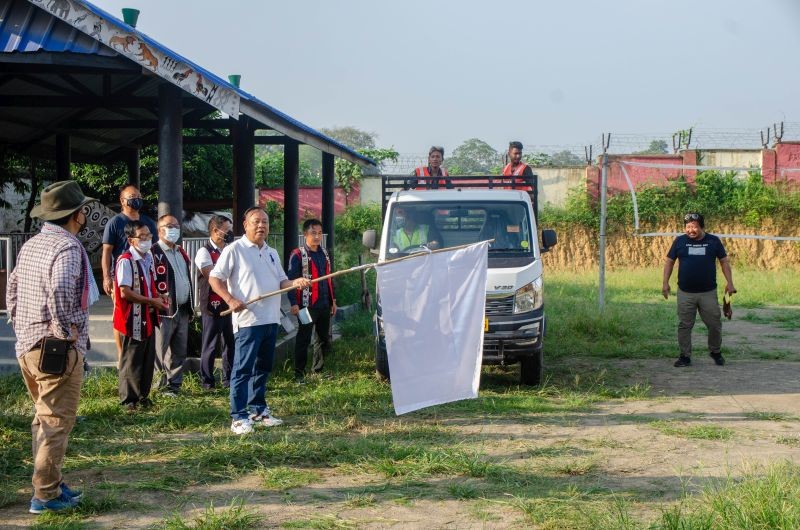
[
  {"x": 265, "y": 419},
  {"x": 242, "y": 426}
]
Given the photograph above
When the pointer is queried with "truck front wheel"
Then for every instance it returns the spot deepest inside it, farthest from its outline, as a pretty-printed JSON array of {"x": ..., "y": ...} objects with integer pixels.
[
  {"x": 531, "y": 368},
  {"x": 381, "y": 359}
]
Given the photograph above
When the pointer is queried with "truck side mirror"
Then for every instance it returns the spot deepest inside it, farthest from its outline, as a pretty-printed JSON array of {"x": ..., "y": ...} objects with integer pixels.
[
  {"x": 549, "y": 239},
  {"x": 368, "y": 238}
]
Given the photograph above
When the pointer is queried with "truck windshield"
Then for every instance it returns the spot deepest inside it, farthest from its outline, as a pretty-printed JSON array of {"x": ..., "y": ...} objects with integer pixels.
[{"x": 449, "y": 224}]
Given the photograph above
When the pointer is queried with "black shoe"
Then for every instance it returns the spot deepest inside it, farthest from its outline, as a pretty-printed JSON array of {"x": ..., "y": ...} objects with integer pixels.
[
  {"x": 683, "y": 361},
  {"x": 146, "y": 403},
  {"x": 719, "y": 360},
  {"x": 300, "y": 380}
]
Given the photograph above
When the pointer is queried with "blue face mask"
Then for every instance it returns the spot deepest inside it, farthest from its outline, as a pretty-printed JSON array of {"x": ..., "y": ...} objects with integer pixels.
[{"x": 136, "y": 203}]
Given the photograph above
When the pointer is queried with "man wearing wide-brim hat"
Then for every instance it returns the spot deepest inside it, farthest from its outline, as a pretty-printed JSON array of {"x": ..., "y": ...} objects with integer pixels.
[{"x": 49, "y": 294}]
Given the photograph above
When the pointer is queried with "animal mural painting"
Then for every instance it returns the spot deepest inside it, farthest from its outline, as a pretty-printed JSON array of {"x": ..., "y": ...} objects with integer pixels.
[
  {"x": 117, "y": 36},
  {"x": 146, "y": 56},
  {"x": 199, "y": 88},
  {"x": 181, "y": 76},
  {"x": 59, "y": 8},
  {"x": 122, "y": 40},
  {"x": 96, "y": 29}
]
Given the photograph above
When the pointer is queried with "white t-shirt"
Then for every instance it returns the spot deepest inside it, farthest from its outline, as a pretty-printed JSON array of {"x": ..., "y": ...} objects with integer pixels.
[
  {"x": 251, "y": 271},
  {"x": 203, "y": 259},
  {"x": 124, "y": 273}
]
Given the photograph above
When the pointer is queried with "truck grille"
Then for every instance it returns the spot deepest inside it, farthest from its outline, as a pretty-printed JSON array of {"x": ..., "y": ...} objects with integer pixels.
[{"x": 499, "y": 305}]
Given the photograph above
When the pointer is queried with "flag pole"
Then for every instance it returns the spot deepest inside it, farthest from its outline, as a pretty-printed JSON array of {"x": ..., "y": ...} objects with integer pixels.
[{"x": 356, "y": 269}]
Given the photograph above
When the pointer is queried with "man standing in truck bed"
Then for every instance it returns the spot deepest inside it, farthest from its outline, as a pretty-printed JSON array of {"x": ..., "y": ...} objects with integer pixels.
[
  {"x": 426, "y": 176},
  {"x": 516, "y": 167}
]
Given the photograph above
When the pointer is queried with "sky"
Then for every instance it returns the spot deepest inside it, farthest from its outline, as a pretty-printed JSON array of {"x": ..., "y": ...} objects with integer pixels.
[{"x": 548, "y": 73}]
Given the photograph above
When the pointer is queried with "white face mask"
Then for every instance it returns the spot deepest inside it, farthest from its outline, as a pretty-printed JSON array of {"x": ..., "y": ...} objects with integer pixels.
[
  {"x": 144, "y": 246},
  {"x": 172, "y": 234}
]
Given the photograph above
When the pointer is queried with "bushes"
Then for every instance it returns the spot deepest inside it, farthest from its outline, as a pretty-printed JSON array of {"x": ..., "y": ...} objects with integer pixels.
[
  {"x": 349, "y": 227},
  {"x": 718, "y": 195}
]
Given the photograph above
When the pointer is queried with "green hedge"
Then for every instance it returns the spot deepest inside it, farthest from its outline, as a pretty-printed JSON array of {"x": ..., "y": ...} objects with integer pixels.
[
  {"x": 349, "y": 227},
  {"x": 717, "y": 195}
]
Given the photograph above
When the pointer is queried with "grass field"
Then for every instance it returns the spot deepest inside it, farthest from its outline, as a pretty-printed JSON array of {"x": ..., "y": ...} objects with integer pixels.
[{"x": 341, "y": 433}]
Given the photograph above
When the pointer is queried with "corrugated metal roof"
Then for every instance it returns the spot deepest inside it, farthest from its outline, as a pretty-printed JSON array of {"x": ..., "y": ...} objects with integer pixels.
[{"x": 28, "y": 26}]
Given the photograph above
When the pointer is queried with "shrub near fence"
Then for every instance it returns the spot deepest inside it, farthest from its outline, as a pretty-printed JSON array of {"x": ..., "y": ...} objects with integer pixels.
[
  {"x": 731, "y": 205},
  {"x": 349, "y": 226},
  {"x": 578, "y": 247},
  {"x": 718, "y": 195}
]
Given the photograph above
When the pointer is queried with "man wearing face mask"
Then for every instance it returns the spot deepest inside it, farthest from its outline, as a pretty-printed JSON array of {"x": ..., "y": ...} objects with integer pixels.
[
  {"x": 220, "y": 231},
  {"x": 49, "y": 294},
  {"x": 173, "y": 280},
  {"x": 115, "y": 242},
  {"x": 136, "y": 307}
]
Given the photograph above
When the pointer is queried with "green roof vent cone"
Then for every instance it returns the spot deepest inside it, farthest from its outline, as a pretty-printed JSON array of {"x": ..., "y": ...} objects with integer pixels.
[
  {"x": 130, "y": 16},
  {"x": 235, "y": 79}
]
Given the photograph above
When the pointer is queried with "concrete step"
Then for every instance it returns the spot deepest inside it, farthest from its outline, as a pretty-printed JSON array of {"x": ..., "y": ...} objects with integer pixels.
[{"x": 103, "y": 351}]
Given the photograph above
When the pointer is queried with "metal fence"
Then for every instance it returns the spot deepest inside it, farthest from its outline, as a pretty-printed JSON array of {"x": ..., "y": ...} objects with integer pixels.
[
  {"x": 9, "y": 247},
  {"x": 11, "y": 243}
]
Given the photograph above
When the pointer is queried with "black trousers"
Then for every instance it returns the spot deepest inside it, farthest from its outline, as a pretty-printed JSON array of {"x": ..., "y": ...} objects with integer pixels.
[
  {"x": 214, "y": 327},
  {"x": 321, "y": 322},
  {"x": 136, "y": 367}
]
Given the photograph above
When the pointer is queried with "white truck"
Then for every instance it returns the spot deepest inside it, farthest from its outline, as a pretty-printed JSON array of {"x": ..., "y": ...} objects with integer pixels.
[{"x": 476, "y": 209}]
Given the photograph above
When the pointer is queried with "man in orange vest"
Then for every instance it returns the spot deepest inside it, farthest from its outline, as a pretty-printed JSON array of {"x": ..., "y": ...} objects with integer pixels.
[
  {"x": 516, "y": 167},
  {"x": 425, "y": 176}
]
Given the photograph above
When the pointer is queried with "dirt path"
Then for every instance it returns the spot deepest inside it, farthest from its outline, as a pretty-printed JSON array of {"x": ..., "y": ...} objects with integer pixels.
[{"x": 702, "y": 423}]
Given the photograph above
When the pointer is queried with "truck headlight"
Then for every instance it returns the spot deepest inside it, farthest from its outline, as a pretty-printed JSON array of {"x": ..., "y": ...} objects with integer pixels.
[{"x": 529, "y": 297}]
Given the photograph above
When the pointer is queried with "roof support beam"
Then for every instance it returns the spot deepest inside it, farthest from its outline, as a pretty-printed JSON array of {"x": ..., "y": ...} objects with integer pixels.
[
  {"x": 170, "y": 151},
  {"x": 133, "y": 163},
  {"x": 148, "y": 124},
  {"x": 63, "y": 157},
  {"x": 328, "y": 182},
  {"x": 43, "y": 83},
  {"x": 244, "y": 171},
  {"x": 90, "y": 101},
  {"x": 45, "y": 130},
  {"x": 291, "y": 198}
]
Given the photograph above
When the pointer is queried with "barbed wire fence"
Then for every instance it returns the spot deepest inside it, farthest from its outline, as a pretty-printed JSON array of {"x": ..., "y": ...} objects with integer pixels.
[
  {"x": 702, "y": 138},
  {"x": 629, "y": 143}
]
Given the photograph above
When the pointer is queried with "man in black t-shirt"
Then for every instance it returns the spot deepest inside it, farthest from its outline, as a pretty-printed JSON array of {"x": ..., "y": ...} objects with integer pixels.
[{"x": 697, "y": 253}]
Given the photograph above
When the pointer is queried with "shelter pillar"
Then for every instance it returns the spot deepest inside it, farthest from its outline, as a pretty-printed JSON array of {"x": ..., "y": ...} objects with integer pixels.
[
  {"x": 170, "y": 151},
  {"x": 134, "y": 172},
  {"x": 244, "y": 171},
  {"x": 328, "y": 204},
  {"x": 63, "y": 157},
  {"x": 291, "y": 194}
]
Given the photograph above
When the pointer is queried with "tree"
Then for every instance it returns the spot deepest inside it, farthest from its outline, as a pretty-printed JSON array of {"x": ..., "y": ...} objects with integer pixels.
[
  {"x": 566, "y": 158},
  {"x": 269, "y": 170},
  {"x": 349, "y": 174},
  {"x": 656, "y": 147},
  {"x": 352, "y": 137},
  {"x": 537, "y": 159},
  {"x": 474, "y": 156}
]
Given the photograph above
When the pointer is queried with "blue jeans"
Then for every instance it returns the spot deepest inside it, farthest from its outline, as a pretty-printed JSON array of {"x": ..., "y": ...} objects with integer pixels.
[{"x": 255, "y": 353}]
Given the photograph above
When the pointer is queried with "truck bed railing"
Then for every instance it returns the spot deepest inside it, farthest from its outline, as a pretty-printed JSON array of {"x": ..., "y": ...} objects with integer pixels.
[{"x": 393, "y": 183}]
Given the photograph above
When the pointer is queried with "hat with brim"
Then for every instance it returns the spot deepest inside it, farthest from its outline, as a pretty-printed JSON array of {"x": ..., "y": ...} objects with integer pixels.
[{"x": 59, "y": 200}]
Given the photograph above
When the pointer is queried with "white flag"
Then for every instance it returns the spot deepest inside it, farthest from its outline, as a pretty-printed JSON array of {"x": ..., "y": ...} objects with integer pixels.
[{"x": 433, "y": 310}]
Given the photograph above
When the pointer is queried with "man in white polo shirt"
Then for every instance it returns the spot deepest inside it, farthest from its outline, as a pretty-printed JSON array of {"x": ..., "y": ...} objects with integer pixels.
[{"x": 248, "y": 268}]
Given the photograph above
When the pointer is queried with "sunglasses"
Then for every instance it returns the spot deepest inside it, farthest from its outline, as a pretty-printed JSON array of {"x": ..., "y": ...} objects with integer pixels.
[{"x": 691, "y": 217}]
